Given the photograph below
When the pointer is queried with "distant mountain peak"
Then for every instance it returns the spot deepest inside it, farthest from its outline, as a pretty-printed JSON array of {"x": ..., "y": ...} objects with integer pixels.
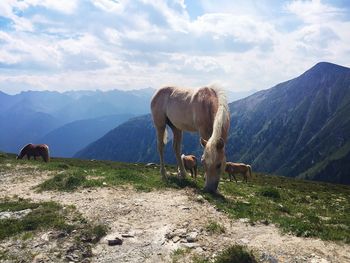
[{"x": 327, "y": 67}]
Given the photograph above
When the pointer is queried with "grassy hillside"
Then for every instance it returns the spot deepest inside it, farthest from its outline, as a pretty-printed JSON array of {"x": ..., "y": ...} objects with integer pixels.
[
  {"x": 300, "y": 207},
  {"x": 296, "y": 126}
]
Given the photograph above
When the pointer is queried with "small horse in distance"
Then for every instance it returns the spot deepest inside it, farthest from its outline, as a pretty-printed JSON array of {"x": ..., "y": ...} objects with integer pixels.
[
  {"x": 190, "y": 163},
  {"x": 238, "y": 168},
  {"x": 35, "y": 150},
  {"x": 202, "y": 110}
]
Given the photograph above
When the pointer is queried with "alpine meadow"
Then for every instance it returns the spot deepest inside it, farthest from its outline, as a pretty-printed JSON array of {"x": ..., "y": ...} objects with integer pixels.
[{"x": 175, "y": 131}]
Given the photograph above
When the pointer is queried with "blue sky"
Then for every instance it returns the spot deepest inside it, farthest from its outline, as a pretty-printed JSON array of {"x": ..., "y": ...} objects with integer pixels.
[{"x": 105, "y": 44}]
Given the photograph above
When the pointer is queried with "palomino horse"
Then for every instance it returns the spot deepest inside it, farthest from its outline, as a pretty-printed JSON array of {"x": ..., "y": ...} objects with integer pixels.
[
  {"x": 203, "y": 110},
  {"x": 35, "y": 150},
  {"x": 238, "y": 168},
  {"x": 190, "y": 163}
]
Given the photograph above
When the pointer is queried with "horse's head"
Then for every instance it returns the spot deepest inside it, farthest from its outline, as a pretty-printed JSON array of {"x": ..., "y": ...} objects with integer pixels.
[
  {"x": 213, "y": 161},
  {"x": 20, "y": 156},
  {"x": 23, "y": 151}
]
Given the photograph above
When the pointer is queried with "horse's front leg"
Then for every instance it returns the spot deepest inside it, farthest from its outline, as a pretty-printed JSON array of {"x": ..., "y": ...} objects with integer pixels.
[
  {"x": 160, "y": 144},
  {"x": 177, "y": 149}
]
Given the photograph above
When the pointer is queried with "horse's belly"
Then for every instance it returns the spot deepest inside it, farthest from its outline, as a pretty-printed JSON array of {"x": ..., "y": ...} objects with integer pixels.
[
  {"x": 182, "y": 120},
  {"x": 185, "y": 126}
]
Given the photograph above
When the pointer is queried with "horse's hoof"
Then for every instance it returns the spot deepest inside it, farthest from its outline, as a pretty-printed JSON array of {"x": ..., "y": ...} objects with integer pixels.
[{"x": 181, "y": 175}]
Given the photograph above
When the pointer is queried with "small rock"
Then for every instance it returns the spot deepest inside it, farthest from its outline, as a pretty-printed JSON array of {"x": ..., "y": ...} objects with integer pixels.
[
  {"x": 45, "y": 237},
  {"x": 268, "y": 258},
  {"x": 114, "y": 242},
  {"x": 200, "y": 199},
  {"x": 127, "y": 235},
  {"x": 244, "y": 220},
  {"x": 319, "y": 260},
  {"x": 192, "y": 237},
  {"x": 181, "y": 232},
  {"x": 184, "y": 207},
  {"x": 169, "y": 235},
  {"x": 104, "y": 183},
  {"x": 176, "y": 239},
  {"x": 72, "y": 257},
  {"x": 199, "y": 250},
  {"x": 190, "y": 245},
  {"x": 244, "y": 241},
  {"x": 40, "y": 258}
]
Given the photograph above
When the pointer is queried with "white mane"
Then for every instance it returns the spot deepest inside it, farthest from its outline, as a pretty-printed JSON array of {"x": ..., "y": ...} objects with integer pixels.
[{"x": 220, "y": 119}]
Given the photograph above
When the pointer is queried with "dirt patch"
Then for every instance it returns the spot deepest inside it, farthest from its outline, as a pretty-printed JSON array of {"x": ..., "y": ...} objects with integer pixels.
[{"x": 153, "y": 225}]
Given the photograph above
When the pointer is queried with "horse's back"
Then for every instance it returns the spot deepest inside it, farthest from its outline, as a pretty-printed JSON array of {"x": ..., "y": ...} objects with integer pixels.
[{"x": 186, "y": 109}]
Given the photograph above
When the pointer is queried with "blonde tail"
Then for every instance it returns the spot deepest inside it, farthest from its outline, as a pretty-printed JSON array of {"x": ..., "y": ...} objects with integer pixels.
[
  {"x": 250, "y": 171},
  {"x": 165, "y": 137}
]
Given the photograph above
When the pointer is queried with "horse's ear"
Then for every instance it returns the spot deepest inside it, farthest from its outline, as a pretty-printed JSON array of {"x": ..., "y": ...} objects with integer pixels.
[
  {"x": 220, "y": 144},
  {"x": 203, "y": 142}
]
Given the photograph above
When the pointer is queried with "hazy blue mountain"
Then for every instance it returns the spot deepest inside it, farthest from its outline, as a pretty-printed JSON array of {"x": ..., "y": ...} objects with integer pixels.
[
  {"x": 69, "y": 138},
  {"x": 299, "y": 128},
  {"x": 28, "y": 116},
  {"x": 88, "y": 104},
  {"x": 20, "y": 128},
  {"x": 133, "y": 141}
]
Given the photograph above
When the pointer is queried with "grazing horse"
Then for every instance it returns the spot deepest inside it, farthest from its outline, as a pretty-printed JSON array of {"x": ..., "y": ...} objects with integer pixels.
[
  {"x": 190, "y": 164},
  {"x": 35, "y": 150},
  {"x": 238, "y": 168},
  {"x": 203, "y": 110}
]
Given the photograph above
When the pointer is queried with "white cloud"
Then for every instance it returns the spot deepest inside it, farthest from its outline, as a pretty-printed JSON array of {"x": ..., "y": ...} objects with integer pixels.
[
  {"x": 132, "y": 44},
  {"x": 314, "y": 11},
  {"x": 110, "y": 5}
]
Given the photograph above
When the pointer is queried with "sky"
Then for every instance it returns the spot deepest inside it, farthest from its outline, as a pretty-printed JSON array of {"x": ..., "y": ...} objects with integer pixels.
[{"x": 240, "y": 45}]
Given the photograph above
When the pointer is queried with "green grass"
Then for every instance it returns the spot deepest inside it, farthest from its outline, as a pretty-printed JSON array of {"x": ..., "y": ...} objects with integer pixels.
[
  {"x": 44, "y": 215},
  {"x": 303, "y": 208},
  {"x": 178, "y": 254},
  {"x": 214, "y": 228},
  {"x": 232, "y": 254},
  {"x": 47, "y": 215}
]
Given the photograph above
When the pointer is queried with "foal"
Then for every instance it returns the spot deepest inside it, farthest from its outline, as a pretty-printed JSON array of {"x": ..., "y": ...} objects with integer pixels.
[
  {"x": 190, "y": 163},
  {"x": 238, "y": 168}
]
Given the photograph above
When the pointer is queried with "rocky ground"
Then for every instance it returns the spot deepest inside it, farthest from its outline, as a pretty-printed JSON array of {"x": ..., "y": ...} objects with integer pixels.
[{"x": 152, "y": 225}]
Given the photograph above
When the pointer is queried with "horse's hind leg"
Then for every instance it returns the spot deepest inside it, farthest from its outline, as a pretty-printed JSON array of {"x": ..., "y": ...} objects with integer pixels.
[
  {"x": 246, "y": 176},
  {"x": 233, "y": 175},
  {"x": 191, "y": 170},
  {"x": 177, "y": 149}
]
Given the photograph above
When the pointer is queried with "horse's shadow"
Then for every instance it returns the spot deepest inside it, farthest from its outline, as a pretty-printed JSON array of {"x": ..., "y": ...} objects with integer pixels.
[{"x": 178, "y": 182}]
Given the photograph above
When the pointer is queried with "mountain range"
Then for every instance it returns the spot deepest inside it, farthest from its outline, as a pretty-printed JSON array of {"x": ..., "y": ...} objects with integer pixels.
[
  {"x": 298, "y": 128},
  {"x": 34, "y": 116},
  {"x": 69, "y": 121}
]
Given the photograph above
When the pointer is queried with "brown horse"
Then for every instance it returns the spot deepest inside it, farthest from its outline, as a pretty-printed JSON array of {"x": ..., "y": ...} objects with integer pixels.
[
  {"x": 35, "y": 150},
  {"x": 203, "y": 110},
  {"x": 190, "y": 163},
  {"x": 238, "y": 168}
]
